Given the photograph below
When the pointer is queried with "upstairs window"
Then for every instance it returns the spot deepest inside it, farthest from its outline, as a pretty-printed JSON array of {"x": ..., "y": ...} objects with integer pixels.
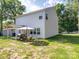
[
  {"x": 46, "y": 16},
  {"x": 40, "y": 17}
]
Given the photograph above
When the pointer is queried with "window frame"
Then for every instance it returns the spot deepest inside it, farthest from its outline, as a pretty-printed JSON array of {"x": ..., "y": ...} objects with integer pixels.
[
  {"x": 35, "y": 31},
  {"x": 46, "y": 16},
  {"x": 38, "y": 31},
  {"x": 40, "y": 17}
]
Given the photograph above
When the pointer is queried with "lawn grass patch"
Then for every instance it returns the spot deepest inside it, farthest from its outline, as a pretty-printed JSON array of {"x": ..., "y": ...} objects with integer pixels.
[{"x": 58, "y": 47}]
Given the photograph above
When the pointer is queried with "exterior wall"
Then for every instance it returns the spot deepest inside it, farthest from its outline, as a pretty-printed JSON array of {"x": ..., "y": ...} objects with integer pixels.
[
  {"x": 8, "y": 32},
  {"x": 5, "y": 33},
  {"x": 33, "y": 21},
  {"x": 51, "y": 25}
]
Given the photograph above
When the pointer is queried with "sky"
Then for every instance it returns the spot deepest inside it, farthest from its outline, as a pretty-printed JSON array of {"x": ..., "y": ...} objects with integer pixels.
[{"x": 33, "y": 5}]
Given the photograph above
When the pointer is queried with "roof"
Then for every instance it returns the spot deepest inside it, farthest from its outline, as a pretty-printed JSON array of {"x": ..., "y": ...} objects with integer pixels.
[
  {"x": 21, "y": 28},
  {"x": 25, "y": 28},
  {"x": 34, "y": 12}
]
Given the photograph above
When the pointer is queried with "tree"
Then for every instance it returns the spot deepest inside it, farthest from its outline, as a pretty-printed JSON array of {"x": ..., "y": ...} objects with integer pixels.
[
  {"x": 2, "y": 11},
  {"x": 60, "y": 10},
  {"x": 68, "y": 19},
  {"x": 8, "y": 24},
  {"x": 72, "y": 4},
  {"x": 14, "y": 8},
  {"x": 9, "y": 9}
]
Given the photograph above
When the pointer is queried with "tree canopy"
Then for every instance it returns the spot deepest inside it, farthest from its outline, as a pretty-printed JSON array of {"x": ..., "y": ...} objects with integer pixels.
[
  {"x": 67, "y": 15},
  {"x": 9, "y": 9}
]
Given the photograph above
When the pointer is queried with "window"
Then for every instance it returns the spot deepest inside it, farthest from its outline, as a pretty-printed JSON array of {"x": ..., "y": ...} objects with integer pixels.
[
  {"x": 40, "y": 17},
  {"x": 35, "y": 31},
  {"x": 38, "y": 30},
  {"x": 46, "y": 16},
  {"x": 31, "y": 32}
]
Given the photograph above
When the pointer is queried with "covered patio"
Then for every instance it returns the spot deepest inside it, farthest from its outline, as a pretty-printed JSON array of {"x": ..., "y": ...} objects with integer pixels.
[{"x": 22, "y": 30}]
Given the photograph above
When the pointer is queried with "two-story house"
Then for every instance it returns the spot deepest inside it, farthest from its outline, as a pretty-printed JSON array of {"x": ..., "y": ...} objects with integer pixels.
[{"x": 44, "y": 22}]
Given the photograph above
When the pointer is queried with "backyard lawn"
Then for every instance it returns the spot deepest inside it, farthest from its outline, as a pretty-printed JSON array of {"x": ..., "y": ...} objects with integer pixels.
[{"x": 57, "y": 47}]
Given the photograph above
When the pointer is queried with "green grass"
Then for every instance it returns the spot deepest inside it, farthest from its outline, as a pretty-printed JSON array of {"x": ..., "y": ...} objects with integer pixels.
[{"x": 59, "y": 47}]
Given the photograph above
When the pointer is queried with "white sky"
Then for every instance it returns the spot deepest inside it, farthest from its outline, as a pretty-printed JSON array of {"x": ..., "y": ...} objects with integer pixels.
[{"x": 32, "y": 5}]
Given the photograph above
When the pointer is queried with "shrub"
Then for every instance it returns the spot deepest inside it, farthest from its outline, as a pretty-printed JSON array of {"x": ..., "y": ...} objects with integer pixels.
[
  {"x": 22, "y": 37},
  {"x": 30, "y": 39},
  {"x": 40, "y": 43}
]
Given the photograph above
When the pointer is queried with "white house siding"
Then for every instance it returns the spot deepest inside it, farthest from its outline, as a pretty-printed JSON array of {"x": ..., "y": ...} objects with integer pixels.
[
  {"x": 8, "y": 32},
  {"x": 51, "y": 25},
  {"x": 5, "y": 33},
  {"x": 32, "y": 20}
]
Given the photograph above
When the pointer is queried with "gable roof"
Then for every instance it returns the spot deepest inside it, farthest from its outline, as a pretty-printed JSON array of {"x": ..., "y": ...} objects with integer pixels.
[{"x": 34, "y": 12}]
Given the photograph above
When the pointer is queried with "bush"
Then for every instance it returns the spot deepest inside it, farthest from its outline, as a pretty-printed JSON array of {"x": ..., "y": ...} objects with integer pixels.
[
  {"x": 40, "y": 43},
  {"x": 22, "y": 37},
  {"x": 30, "y": 39}
]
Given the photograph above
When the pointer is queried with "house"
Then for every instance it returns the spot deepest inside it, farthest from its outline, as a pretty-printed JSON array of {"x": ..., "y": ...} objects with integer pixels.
[
  {"x": 8, "y": 29},
  {"x": 9, "y": 32},
  {"x": 44, "y": 22}
]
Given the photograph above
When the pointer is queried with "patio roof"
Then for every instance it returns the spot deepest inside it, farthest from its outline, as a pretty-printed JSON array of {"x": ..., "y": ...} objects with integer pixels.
[
  {"x": 20, "y": 28},
  {"x": 25, "y": 28}
]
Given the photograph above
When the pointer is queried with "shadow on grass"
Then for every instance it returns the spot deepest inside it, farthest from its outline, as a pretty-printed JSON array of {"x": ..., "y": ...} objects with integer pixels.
[
  {"x": 74, "y": 39},
  {"x": 40, "y": 43},
  {"x": 35, "y": 42}
]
